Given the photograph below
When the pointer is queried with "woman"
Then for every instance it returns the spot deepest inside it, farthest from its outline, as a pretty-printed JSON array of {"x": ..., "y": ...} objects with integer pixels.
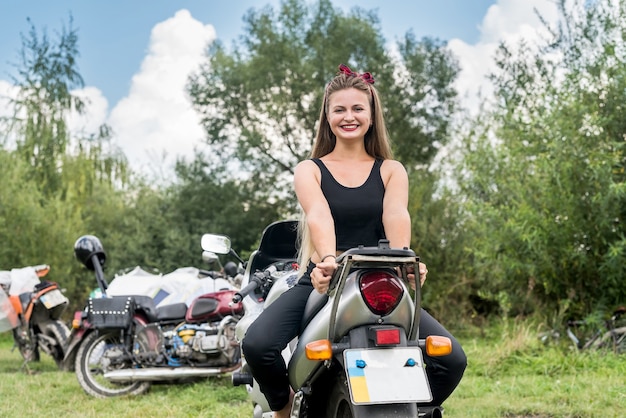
[{"x": 352, "y": 193}]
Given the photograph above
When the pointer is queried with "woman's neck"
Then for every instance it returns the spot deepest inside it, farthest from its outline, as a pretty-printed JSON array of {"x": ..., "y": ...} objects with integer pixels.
[{"x": 355, "y": 152}]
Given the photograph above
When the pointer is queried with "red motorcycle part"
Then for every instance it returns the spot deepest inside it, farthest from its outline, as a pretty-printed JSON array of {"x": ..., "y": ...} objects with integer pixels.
[
  {"x": 213, "y": 306},
  {"x": 381, "y": 290}
]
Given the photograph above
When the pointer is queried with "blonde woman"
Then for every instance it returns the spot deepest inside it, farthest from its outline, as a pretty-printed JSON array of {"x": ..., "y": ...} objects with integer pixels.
[{"x": 352, "y": 193}]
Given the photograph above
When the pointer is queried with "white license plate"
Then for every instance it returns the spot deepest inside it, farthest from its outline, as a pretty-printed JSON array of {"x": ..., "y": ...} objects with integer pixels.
[
  {"x": 53, "y": 298},
  {"x": 386, "y": 375}
]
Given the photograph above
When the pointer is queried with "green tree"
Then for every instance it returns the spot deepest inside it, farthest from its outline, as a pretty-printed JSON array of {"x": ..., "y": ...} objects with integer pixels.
[
  {"x": 546, "y": 169},
  {"x": 53, "y": 183},
  {"x": 47, "y": 73},
  {"x": 260, "y": 102}
]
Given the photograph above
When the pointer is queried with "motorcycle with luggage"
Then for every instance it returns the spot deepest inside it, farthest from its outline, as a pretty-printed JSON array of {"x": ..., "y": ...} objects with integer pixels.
[
  {"x": 358, "y": 353},
  {"x": 32, "y": 309},
  {"x": 121, "y": 344}
]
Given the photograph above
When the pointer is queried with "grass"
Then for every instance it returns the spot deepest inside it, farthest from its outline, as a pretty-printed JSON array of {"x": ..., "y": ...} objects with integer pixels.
[{"x": 510, "y": 374}]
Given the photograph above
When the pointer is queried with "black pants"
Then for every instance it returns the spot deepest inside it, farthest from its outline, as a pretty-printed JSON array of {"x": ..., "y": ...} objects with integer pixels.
[{"x": 280, "y": 323}]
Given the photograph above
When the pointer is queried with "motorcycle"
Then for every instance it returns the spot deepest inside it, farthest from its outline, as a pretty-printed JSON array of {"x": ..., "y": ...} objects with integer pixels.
[
  {"x": 358, "y": 353},
  {"x": 33, "y": 313},
  {"x": 121, "y": 344}
]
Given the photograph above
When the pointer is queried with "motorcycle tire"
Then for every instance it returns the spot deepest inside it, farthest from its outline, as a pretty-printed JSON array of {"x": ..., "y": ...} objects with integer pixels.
[
  {"x": 339, "y": 404},
  {"x": 92, "y": 358},
  {"x": 59, "y": 332}
]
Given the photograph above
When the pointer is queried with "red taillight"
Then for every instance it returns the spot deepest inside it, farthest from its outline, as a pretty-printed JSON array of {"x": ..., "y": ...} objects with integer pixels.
[
  {"x": 381, "y": 291},
  {"x": 387, "y": 336}
]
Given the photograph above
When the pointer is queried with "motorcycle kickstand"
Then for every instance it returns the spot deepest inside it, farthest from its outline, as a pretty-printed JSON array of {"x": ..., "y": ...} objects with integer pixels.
[
  {"x": 24, "y": 365},
  {"x": 27, "y": 369}
]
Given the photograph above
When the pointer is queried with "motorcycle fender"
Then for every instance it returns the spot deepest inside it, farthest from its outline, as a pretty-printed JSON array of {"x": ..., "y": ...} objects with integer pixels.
[
  {"x": 352, "y": 313},
  {"x": 76, "y": 337},
  {"x": 386, "y": 410}
]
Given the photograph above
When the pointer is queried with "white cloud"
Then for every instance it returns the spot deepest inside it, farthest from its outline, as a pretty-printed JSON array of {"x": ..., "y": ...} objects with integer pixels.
[
  {"x": 506, "y": 21},
  {"x": 96, "y": 107},
  {"x": 155, "y": 123},
  {"x": 7, "y": 91}
]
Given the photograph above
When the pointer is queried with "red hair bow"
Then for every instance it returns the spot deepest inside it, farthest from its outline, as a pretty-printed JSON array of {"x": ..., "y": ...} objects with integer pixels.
[{"x": 367, "y": 77}]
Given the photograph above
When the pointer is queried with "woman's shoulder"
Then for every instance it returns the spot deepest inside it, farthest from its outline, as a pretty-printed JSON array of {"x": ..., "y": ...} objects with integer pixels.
[
  {"x": 306, "y": 164},
  {"x": 306, "y": 167},
  {"x": 392, "y": 165}
]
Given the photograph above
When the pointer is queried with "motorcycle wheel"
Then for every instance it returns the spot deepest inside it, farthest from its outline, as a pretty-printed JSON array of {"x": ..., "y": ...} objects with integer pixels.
[
  {"x": 339, "y": 404},
  {"x": 93, "y": 360},
  {"x": 59, "y": 332}
]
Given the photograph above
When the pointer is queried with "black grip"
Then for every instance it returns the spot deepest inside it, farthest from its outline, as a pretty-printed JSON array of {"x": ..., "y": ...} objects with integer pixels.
[
  {"x": 245, "y": 291},
  {"x": 257, "y": 279}
]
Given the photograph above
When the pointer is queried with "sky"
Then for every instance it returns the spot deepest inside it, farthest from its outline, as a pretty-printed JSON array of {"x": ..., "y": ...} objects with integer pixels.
[{"x": 135, "y": 56}]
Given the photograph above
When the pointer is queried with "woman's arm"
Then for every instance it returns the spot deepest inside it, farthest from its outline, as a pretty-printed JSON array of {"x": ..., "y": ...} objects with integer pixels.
[
  {"x": 319, "y": 220},
  {"x": 396, "y": 217},
  {"x": 318, "y": 217}
]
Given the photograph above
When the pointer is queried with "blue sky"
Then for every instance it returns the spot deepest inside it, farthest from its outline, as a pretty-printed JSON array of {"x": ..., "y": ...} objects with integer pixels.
[
  {"x": 135, "y": 56},
  {"x": 114, "y": 35}
]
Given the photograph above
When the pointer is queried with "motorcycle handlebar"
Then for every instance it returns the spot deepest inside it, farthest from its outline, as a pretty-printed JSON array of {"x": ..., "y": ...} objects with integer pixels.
[
  {"x": 257, "y": 279},
  {"x": 208, "y": 273}
]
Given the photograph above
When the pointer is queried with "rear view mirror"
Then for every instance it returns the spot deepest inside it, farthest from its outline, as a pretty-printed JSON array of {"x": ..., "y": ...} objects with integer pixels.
[
  {"x": 219, "y": 244},
  {"x": 209, "y": 257}
]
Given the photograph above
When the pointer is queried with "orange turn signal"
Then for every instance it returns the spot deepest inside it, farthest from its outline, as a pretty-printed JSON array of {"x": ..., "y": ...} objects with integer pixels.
[
  {"x": 319, "y": 350},
  {"x": 436, "y": 345},
  {"x": 77, "y": 321}
]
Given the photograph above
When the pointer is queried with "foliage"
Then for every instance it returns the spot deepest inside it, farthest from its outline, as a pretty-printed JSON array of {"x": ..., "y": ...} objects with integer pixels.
[
  {"x": 47, "y": 73},
  {"x": 440, "y": 241},
  {"x": 545, "y": 182},
  {"x": 51, "y": 181},
  {"x": 260, "y": 102}
]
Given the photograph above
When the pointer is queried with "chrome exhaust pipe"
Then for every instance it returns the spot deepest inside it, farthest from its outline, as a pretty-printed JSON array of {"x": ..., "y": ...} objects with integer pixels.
[
  {"x": 156, "y": 374},
  {"x": 435, "y": 412}
]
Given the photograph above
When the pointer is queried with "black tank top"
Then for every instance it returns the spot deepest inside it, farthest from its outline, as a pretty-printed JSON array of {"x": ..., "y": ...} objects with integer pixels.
[{"x": 357, "y": 211}]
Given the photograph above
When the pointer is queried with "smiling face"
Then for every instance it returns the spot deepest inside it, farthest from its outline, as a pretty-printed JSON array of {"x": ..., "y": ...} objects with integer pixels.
[{"x": 349, "y": 114}]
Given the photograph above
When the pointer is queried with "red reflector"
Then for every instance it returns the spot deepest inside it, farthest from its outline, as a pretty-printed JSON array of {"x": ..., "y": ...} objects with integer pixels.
[
  {"x": 387, "y": 336},
  {"x": 381, "y": 290}
]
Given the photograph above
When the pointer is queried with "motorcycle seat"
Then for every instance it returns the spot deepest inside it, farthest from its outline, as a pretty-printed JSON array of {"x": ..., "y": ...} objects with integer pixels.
[
  {"x": 146, "y": 305},
  {"x": 174, "y": 311},
  {"x": 314, "y": 303}
]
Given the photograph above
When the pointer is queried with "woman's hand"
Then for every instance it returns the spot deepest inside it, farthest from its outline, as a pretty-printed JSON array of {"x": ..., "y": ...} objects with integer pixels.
[
  {"x": 322, "y": 273},
  {"x": 423, "y": 271}
]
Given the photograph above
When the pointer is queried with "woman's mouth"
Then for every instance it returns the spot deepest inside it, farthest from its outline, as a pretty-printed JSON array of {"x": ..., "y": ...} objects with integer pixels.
[{"x": 349, "y": 127}]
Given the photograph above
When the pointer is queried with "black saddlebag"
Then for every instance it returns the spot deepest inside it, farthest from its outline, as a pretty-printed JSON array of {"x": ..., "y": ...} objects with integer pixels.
[{"x": 111, "y": 313}]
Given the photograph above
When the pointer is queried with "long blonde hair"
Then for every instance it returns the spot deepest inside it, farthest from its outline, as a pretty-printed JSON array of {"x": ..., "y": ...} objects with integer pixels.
[{"x": 377, "y": 142}]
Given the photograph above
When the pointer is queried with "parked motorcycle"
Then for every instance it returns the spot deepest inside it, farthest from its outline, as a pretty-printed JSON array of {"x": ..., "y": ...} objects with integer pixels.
[
  {"x": 358, "y": 354},
  {"x": 34, "y": 312},
  {"x": 121, "y": 344}
]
